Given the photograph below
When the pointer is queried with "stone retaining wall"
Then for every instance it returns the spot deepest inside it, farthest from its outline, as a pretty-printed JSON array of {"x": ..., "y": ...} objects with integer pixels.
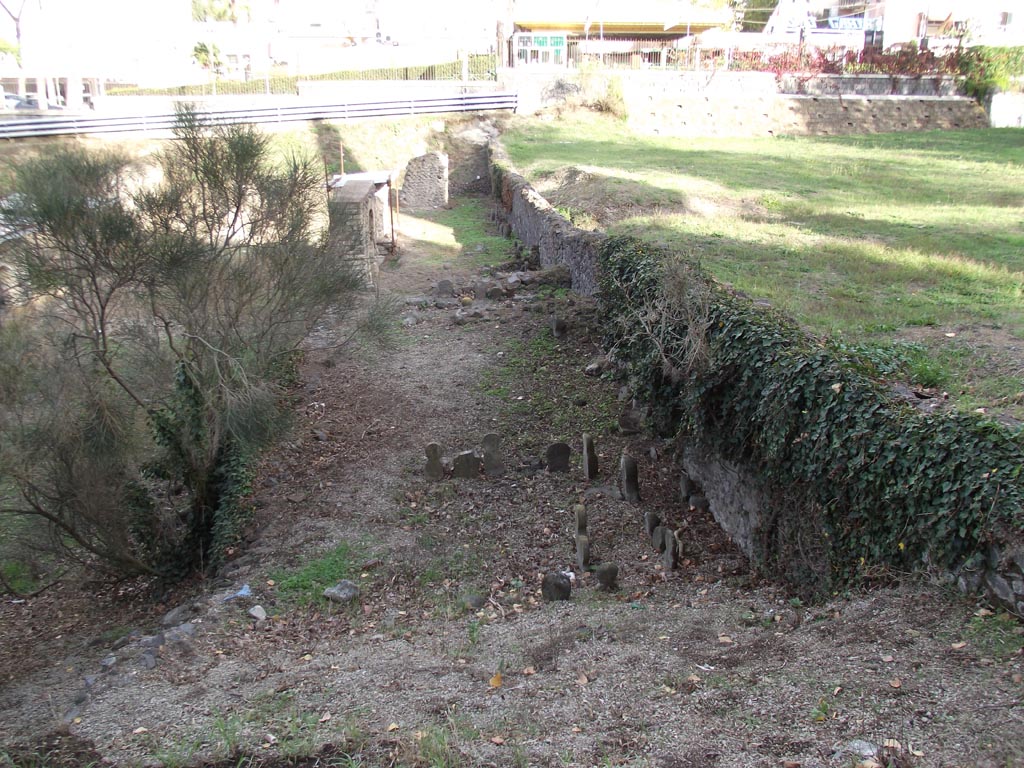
[
  {"x": 737, "y": 104},
  {"x": 734, "y": 491},
  {"x": 536, "y": 224},
  {"x": 777, "y": 114}
]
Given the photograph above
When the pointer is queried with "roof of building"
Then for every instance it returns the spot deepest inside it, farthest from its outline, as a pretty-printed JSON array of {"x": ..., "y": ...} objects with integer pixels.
[{"x": 641, "y": 17}]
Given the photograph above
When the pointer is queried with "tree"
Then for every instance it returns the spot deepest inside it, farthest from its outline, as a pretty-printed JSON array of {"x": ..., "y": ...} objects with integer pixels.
[
  {"x": 144, "y": 362},
  {"x": 754, "y": 14},
  {"x": 7, "y": 7}
]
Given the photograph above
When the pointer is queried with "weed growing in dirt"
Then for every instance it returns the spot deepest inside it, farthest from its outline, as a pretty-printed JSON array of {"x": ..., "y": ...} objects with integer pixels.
[
  {"x": 305, "y": 586},
  {"x": 997, "y": 635}
]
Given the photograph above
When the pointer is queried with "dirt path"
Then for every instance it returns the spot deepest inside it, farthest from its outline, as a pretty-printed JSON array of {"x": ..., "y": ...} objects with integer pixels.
[{"x": 449, "y": 656}]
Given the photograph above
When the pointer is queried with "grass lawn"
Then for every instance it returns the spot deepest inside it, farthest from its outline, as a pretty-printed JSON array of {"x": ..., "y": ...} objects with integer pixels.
[{"x": 912, "y": 242}]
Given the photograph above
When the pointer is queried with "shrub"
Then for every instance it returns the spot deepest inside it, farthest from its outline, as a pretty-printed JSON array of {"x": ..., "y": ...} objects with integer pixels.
[
  {"x": 149, "y": 344},
  {"x": 887, "y": 484}
]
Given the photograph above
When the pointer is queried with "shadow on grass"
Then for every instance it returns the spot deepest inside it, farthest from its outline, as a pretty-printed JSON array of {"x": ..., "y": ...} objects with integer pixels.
[{"x": 846, "y": 286}]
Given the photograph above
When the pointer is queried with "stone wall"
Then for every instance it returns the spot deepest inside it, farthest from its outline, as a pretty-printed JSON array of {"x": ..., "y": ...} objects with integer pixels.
[
  {"x": 740, "y": 104},
  {"x": 777, "y": 115},
  {"x": 867, "y": 85},
  {"x": 353, "y": 224},
  {"x": 425, "y": 183},
  {"x": 531, "y": 218},
  {"x": 734, "y": 492}
]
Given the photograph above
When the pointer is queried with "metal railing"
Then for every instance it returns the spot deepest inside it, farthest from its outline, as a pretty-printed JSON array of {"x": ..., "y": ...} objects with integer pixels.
[{"x": 73, "y": 124}]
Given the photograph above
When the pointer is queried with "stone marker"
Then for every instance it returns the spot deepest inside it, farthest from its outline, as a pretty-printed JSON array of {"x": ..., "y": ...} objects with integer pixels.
[
  {"x": 345, "y": 591},
  {"x": 466, "y": 465},
  {"x": 493, "y": 464},
  {"x": 680, "y": 536},
  {"x": 435, "y": 467},
  {"x": 582, "y": 551},
  {"x": 559, "y": 328},
  {"x": 589, "y": 458},
  {"x": 631, "y": 419},
  {"x": 700, "y": 503},
  {"x": 629, "y": 478},
  {"x": 445, "y": 288},
  {"x": 668, "y": 557},
  {"x": 555, "y": 586},
  {"x": 557, "y": 457},
  {"x": 658, "y": 536},
  {"x": 607, "y": 576},
  {"x": 686, "y": 487},
  {"x": 581, "y": 519},
  {"x": 651, "y": 521}
]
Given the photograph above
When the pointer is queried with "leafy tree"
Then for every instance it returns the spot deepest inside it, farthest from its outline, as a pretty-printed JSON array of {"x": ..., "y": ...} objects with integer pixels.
[
  {"x": 754, "y": 14},
  {"x": 143, "y": 363},
  {"x": 207, "y": 56}
]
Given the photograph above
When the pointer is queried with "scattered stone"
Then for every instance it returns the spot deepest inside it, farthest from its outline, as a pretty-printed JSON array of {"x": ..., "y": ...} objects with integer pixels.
[
  {"x": 153, "y": 641},
  {"x": 474, "y": 601},
  {"x": 122, "y": 641},
  {"x": 581, "y": 519},
  {"x": 148, "y": 659},
  {"x": 557, "y": 457},
  {"x": 1000, "y": 587},
  {"x": 296, "y": 498},
  {"x": 557, "y": 276},
  {"x": 321, "y": 436},
  {"x": 258, "y": 613},
  {"x": 495, "y": 292},
  {"x": 582, "y": 551},
  {"x": 857, "y": 748},
  {"x": 608, "y": 576},
  {"x": 658, "y": 538},
  {"x": 445, "y": 288},
  {"x": 410, "y": 320},
  {"x": 555, "y": 586},
  {"x": 653, "y": 453},
  {"x": 177, "y": 615},
  {"x": 494, "y": 466},
  {"x": 466, "y": 466},
  {"x": 700, "y": 503},
  {"x": 686, "y": 487},
  {"x": 559, "y": 328},
  {"x": 108, "y": 663},
  {"x": 651, "y": 521},
  {"x": 345, "y": 591},
  {"x": 668, "y": 556},
  {"x": 179, "y": 634},
  {"x": 595, "y": 367},
  {"x": 589, "y": 458},
  {"x": 460, "y": 317},
  {"x": 629, "y": 479},
  {"x": 435, "y": 466}
]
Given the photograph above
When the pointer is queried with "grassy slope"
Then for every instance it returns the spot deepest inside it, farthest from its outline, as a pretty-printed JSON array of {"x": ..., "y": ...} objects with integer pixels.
[{"x": 872, "y": 237}]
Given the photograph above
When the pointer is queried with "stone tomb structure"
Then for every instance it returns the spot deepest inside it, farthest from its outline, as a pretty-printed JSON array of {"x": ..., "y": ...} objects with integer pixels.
[
  {"x": 359, "y": 212},
  {"x": 425, "y": 186}
]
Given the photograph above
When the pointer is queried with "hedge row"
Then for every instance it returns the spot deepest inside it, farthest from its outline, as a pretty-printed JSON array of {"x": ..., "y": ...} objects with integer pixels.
[{"x": 892, "y": 486}]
